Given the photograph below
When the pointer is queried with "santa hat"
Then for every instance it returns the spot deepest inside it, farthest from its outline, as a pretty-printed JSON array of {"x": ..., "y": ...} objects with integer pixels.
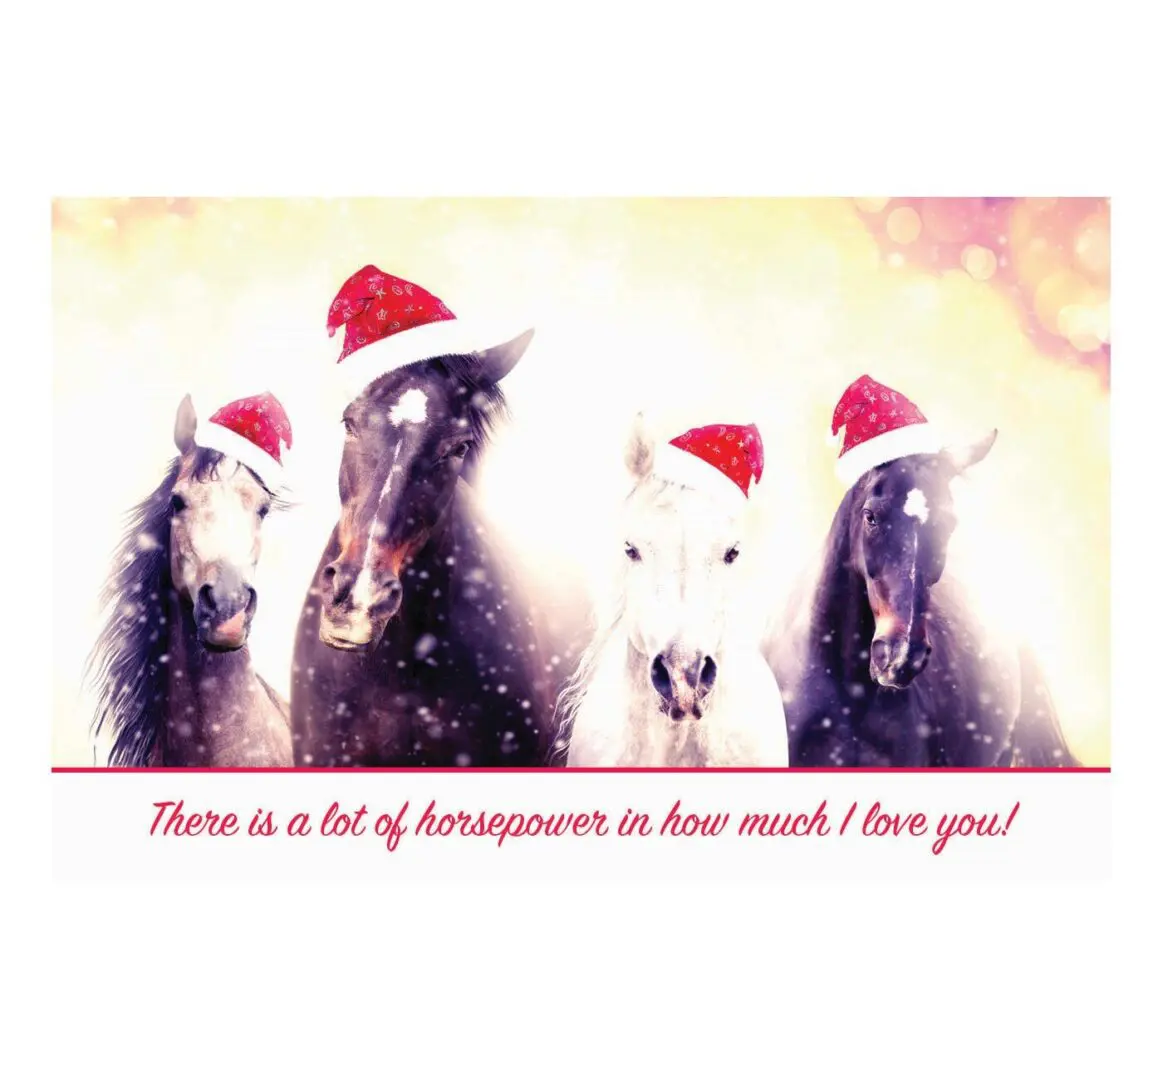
[
  {"x": 251, "y": 430},
  {"x": 880, "y": 425},
  {"x": 392, "y": 323},
  {"x": 724, "y": 459}
]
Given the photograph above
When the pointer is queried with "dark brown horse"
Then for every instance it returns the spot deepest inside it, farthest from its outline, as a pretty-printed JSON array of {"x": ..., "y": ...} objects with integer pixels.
[
  {"x": 895, "y": 671},
  {"x": 414, "y": 646},
  {"x": 172, "y": 671}
]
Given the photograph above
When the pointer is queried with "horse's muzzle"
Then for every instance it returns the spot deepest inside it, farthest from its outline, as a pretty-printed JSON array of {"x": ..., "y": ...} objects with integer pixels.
[
  {"x": 682, "y": 681},
  {"x": 223, "y": 611},
  {"x": 894, "y": 662},
  {"x": 357, "y": 606}
]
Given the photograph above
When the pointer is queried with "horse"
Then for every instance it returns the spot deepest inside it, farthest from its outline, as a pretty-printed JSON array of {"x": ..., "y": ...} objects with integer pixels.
[
  {"x": 415, "y": 645},
  {"x": 895, "y": 669},
  {"x": 171, "y": 666},
  {"x": 674, "y": 675}
]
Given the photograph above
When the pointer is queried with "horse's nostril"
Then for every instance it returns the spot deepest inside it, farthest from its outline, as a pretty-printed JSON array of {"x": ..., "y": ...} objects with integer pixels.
[
  {"x": 389, "y": 602},
  {"x": 339, "y": 583},
  {"x": 251, "y": 601},
  {"x": 881, "y": 654},
  {"x": 660, "y": 677},
  {"x": 708, "y": 674},
  {"x": 206, "y": 599}
]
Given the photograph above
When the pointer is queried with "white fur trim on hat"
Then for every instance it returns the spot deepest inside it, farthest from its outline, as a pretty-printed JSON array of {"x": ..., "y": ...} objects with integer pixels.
[
  {"x": 361, "y": 368},
  {"x": 913, "y": 439},
  {"x": 690, "y": 470},
  {"x": 214, "y": 436}
]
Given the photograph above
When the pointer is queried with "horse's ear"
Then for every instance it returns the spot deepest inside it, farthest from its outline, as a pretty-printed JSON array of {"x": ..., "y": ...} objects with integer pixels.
[
  {"x": 497, "y": 362},
  {"x": 960, "y": 458},
  {"x": 640, "y": 448},
  {"x": 185, "y": 424}
]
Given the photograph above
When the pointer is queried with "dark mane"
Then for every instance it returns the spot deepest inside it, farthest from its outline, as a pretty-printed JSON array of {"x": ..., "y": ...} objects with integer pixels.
[
  {"x": 126, "y": 666},
  {"x": 488, "y": 399},
  {"x": 830, "y": 599}
]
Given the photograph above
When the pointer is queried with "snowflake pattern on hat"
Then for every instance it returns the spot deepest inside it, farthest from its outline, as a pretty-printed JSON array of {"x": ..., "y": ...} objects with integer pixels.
[
  {"x": 375, "y": 305},
  {"x": 260, "y": 420},
  {"x": 734, "y": 449}
]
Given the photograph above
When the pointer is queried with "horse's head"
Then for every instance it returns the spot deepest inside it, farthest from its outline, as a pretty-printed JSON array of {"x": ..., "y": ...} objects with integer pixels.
[
  {"x": 217, "y": 510},
  {"x": 410, "y": 436},
  {"x": 902, "y": 519},
  {"x": 680, "y": 547}
]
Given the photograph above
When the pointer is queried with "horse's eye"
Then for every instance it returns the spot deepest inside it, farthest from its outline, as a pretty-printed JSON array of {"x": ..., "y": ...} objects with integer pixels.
[
  {"x": 870, "y": 519},
  {"x": 732, "y": 554},
  {"x": 632, "y": 553},
  {"x": 349, "y": 428},
  {"x": 460, "y": 451},
  {"x": 264, "y": 510},
  {"x": 177, "y": 503}
]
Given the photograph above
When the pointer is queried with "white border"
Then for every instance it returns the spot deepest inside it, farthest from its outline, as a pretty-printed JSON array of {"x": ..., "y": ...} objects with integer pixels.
[
  {"x": 684, "y": 467},
  {"x": 920, "y": 438}
]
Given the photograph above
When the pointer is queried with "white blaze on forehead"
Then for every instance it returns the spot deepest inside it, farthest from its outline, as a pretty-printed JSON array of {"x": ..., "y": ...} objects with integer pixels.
[
  {"x": 916, "y": 505},
  {"x": 221, "y": 526},
  {"x": 412, "y": 408},
  {"x": 681, "y": 590},
  {"x": 361, "y": 590}
]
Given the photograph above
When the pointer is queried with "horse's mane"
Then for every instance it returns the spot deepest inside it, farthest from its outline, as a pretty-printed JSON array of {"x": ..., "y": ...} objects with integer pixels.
[
  {"x": 488, "y": 401},
  {"x": 838, "y": 545},
  {"x": 577, "y": 685},
  {"x": 126, "y": 666}
]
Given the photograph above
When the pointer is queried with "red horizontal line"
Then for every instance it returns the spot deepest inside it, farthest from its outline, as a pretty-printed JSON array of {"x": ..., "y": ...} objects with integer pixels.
[{"x": 423, "y": 771}]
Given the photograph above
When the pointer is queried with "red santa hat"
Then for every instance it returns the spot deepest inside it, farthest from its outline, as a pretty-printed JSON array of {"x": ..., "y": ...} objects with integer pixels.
[
  {"x": 251, "y": 430},
  {"x": 724, "y": 459},
  {"x": 392, "y": 323},
  {"x": 880, "y": 425}
]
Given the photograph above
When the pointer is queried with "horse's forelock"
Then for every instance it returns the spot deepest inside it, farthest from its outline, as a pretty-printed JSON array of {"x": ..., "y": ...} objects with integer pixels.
[
  {"x": 205, "y": 464},
  {"x": 487, "y": 400}
]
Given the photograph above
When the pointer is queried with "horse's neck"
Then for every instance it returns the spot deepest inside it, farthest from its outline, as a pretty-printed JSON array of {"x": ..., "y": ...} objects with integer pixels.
[
  {"x": 214, "y": 701},
  {"x": 842, "y": 623},
  {"x": 454, "y": 559},
  {"x": 429, "y": 580},
  {"x": 462, "y": 539}
]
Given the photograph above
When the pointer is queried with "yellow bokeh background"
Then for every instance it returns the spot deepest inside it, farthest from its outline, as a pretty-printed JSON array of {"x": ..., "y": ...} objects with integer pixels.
[{"x": 700, "y": 310}]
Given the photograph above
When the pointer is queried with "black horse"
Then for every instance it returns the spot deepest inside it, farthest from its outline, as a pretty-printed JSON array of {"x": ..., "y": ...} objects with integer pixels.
[
  {"x": 895, "y": 671},
  {"x": 414, "y": 646}
]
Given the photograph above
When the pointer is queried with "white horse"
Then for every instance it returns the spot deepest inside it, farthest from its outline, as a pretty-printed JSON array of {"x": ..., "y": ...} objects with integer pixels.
[{"x": 674, "y": 675}]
